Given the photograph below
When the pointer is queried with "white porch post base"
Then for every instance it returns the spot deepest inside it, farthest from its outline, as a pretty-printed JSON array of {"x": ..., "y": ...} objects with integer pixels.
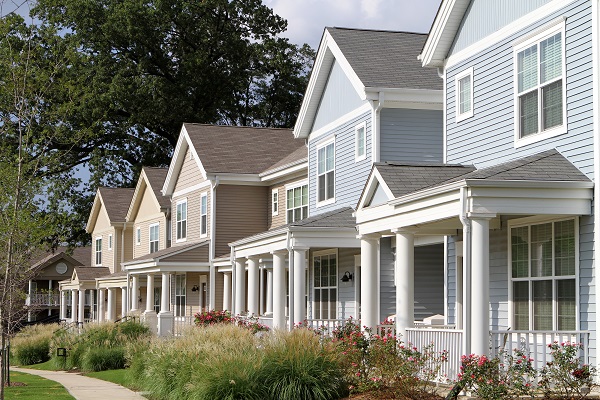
[
  {"x": 405, "y": 282},
  {"x": 279, "y": 289},
  {"x": 166, "y": 322},
  {"x": 480, "y": 284},
  {"x": 368, "y": 287}
]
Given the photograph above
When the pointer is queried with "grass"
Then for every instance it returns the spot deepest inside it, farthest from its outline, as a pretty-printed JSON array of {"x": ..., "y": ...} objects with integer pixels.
[
  {"x": 37, "y": 388},
  {"x": 45, "y": 366},
  {"x": 118, "y": 376}
]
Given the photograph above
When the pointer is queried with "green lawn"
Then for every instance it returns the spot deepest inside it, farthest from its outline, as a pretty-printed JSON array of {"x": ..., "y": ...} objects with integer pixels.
[
  {"x": 46, "y": 366},
  {"x": 37, "y": 388},
  {"x": 118, "y": 376}
]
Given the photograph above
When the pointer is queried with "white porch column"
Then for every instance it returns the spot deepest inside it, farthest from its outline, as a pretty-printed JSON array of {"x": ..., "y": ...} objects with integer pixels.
[
  {"x": 269, "y": 299},
  {"x": 30, "y": 301},
  {"x": 261, "y": 290},
  {"x": 63, "y": 305},
  {"x": 112, "y": 305},
  {"x": 50, "y": 296},
  {"x": 81, "y": 309},
  {"x": 240, "y": 287},
  {"x": 279, "y": 289},
  {"x": 405, "y": 282},
  {"x": 74, "y": 305},
  {"x": 368, "y": 281},
  {"x": 101, "y": 305},
  {"x": 135, "y": 292},
  {"x": 165, "y": 316},
  {"x": 149, "y": 294},
  {"x": 299, "y": 285},
  {"x": 123, "y": 301},
  {"x": 480, "y": 284},
  {"x": 253, "y": 285},
  {"x": 227, "y": 291}
]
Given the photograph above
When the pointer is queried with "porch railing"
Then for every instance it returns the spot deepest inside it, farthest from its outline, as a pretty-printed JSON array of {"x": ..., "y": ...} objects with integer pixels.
[
  {"x": 535, "y": 344},
  {"x": 437, "y": 340},
  {"x": 44, "y": 299},
  {"x": 181, "y": 323},
  {"x": 325, "y": 326}
]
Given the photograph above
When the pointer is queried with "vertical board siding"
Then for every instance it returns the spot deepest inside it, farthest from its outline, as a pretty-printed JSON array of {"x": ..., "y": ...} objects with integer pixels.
[
  {"x": 190, "y": 174},
  {"x": 484, "y": 17},
  {"x": 240, "y": 212},
  {"x": 338, "y": 99},
  {"x": 411, "y": 135},
  {"x": 350, "y": 176},
  {"x": 193, "y": 215}
]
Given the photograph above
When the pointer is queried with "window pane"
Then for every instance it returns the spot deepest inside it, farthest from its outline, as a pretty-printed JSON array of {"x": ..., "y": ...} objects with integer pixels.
[
  {"x": 465, "y": 94},
  {"x": 317, "y": 303},
  {"x": 325, "y": 304},
  {"x": 550, "y": 58},
  {"x": 290, "y": 216},
  {"x": 542, "y": 305},
  {"x": 330, "y": 185},
  {"x": 324, "y": 272},
  {"x": 297, "y": 214},
  {"x": 552, "y": 107},
  {"x": 360, "y": 141},
  {"x": 330, "y": 159},
  {"x": 528, "y": 108},
  {"x": 564, "y": 247},
  {"x": 541, "y": 250},
  {"x": 520, "y": 252},
  {"x": 521, "y": 305},
  {"x": 317, "y": 272},
  {"x": 304, "y": 212},
  {"x": 321, "y": 188},
  {"x": 527, "y": 68},
  {"x": 332, "y": 310},
  {"x": 297, "y": 197},
  {"x": 565, "y": 291},
  {"x": 321, "y": 161}
]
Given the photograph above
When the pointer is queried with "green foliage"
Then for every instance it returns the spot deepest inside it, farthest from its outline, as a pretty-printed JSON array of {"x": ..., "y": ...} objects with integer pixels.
[
  {"x": 32, "y": 344},
  {"x": 102, "y": 359},
  {"x": 35, "y": 388},
  {"x": 565, "y": 375}
]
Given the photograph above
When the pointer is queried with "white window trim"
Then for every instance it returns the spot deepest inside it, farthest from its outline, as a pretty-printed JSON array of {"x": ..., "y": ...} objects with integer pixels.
[
  {"x": 150, "y": 236},
  {"x": 528, "y": 221},
  {"x": 518, "y": 46},
  {"x": 457, "y": 79},
  {"x": 183, "y": 239},
  {"x": 275, "y": 202},
  {"x": 204, "y": 196},
  {"x": 96, "y": 251},
  {"x": 110, "y": 241},
  {"x": 138, "y": 236},
  {"x": 357, "y": 129},
  {"x": 291, "y": 186},
  {"x": 320, "y": 146},
  {"x": 337, "y": 286}
]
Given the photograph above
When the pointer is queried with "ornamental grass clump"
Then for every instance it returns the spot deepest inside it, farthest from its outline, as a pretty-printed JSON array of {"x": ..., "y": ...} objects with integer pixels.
[
  {"x": 565, "y": 375},
  {"x": 32, "y": 344}
]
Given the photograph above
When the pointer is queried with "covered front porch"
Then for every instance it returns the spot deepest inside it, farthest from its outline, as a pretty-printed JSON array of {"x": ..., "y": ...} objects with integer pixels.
[{"x": 515, "y": 276}]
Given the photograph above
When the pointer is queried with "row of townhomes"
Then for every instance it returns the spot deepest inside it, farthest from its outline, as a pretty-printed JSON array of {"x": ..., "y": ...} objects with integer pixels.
[{"x": 445, "y": 181}]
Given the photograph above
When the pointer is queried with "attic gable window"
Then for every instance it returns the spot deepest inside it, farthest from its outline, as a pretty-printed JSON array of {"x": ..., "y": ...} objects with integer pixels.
[
  {"x": 326, "y": 173},
  {"x": 181, "y": 221},
  {"x": 98, "y": 251},
  {"x": 154, "y": 237},
  {"x": 203, "y": 215},
  {"x": 360, "y": 147},
  {"x": 464, "y": 95},
  {"x": 540, "y": 87},
  {"x": 274, "y": 202}
]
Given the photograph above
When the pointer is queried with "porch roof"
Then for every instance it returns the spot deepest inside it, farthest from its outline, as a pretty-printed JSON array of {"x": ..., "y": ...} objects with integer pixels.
[
  {"x": 188, "y": 257},
  {"x": 90, "y": 273}
]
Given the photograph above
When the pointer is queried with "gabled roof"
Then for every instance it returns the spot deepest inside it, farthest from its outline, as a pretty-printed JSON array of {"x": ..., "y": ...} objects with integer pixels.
[
  {"x": 80, "y": 256},
  {"x": 297, "y": 157},
  {"x": 220, "y": 149},
  {"x": 153, "y": 178},
  {"x": 443, "y": 30},
  {"x": 89, "y": 273},
  {"x": 115, "y": 202},
  {"x": 374, "y": 61}
]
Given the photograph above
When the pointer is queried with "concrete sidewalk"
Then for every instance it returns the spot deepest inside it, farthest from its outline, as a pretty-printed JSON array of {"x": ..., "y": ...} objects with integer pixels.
[{"x": 83, "y": 387}]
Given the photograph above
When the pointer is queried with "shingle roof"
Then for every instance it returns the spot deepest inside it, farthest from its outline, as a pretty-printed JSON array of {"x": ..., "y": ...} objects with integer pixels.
[
  {"x": 297, "y": 156},
  {"x": 240, "y": 149},
  {"x": 82, "y": 254},
  {"x": 116, "y": 202},
  {"x": 91, "y": 273},
  {"x": 340, "y": 218},
  {"x": 156, "y": 178},
  {"x": 115, "y": 275},
  {"x": 386, "y": 59},
  {"x": 167, "y": 251},
  {"x": 79, "y": 255}
]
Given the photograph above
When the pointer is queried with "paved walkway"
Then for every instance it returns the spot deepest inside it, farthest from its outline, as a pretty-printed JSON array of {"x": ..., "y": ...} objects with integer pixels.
[{"x": 83, "y": 387}]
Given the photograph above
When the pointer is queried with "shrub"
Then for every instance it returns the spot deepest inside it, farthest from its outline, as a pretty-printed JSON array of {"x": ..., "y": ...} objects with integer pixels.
[
  {"x": 32, "y": 344},
  {"x": 213, "y": 317},
  {"x": 565, "y": 375},
  {"x": 102, "y": 359}
]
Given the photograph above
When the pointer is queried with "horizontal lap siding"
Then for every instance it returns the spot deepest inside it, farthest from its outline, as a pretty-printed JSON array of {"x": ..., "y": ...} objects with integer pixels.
[
  {"x": 278, "y": 220},
  {"x": 193, "y": 216},
  {"x": 190, "y": 174},
  {"x": 411, "y": 135},
  {"x": 350, "y": 176},
  {"x": 346, "y": 290}
]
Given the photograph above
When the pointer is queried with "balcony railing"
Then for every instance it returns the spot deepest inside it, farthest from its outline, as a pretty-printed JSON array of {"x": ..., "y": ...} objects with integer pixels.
[{"x": 41, "y": 299}]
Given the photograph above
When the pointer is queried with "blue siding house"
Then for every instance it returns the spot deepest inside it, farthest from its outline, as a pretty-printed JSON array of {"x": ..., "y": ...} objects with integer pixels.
[
  {"x": 520, "y": 94},
  {"x": 368, "y": 100}
]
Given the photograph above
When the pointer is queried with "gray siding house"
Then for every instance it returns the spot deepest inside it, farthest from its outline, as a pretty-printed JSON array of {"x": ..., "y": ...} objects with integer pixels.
[{"x": 520, "y": 94}]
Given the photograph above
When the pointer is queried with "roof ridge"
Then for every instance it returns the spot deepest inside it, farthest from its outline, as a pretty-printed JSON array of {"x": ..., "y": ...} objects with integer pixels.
[
  {"x": 237, "y": 126},
  {"x": 375, "y": 30}
]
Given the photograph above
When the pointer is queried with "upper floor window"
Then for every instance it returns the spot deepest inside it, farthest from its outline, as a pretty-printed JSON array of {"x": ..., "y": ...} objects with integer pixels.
[
  {"x": 181, "y": 220},
  {"x": 360, "y": 147},
  {"x": 154, "y": 238},
  {"x": 544, "y": 276},
  {"x": 203, "y": 215},
  {"x": 274, "y": 202},
  {"x": 98, "y": 251},
  {"x": 110, "y": 241},
  {"x": 297, "y": 203},
  {"x": 138, "y": 236},
  {"x": 326, "y": 172},
  {"x": 540, "y": 87},
  {"x": 464, "y": 94}
]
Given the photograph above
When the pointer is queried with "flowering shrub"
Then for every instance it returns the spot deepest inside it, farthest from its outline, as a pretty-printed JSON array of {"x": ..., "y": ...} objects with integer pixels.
[
  {"x": 213, "y": 317},
  {"x": 251, "y": 323},
  {"x": 565, "y": 375}
]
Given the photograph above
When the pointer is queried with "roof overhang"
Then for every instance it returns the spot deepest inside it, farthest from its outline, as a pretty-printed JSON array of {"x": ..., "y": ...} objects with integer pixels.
[
  {"x": 111, "y": 282},
  {"x": 183, "y": 143},
  {"x": 293, "y": 169},
  {"x": 161, "y": 262},
  {"x": 439, "y": 208}
]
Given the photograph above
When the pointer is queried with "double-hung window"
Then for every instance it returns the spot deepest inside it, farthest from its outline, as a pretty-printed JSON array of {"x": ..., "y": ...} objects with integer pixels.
[
  {"x": 360, "y": 140},
  {"x": 540, "y": 86},
  {"x": 138, "y": 236},
  {"x": 544, "y": 276},
  {"x": 154, "y": 237},
  {"x": 98, "y": 251},
  {"x": 110, "y": 241},
  {"x": 180, "y": 295},
  {"x": 326, "y": 172},
  {"x": 274, "y": 202},
  {"x": 297, "y": 203},
  {"x": 203, "y": 215},
  {"x": 181, "y": 220},
  {"x": 325, "y": 284},
  {"x": 464, "y": 94}
]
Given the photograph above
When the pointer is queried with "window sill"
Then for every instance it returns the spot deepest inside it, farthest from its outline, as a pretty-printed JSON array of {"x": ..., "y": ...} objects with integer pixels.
[
  {"x": 325, "y": 202},
  {"x": 520, "y": 142},
  {"x": 464, "y": 116},
  {"x": 361, "y": 158},
  {"x": 181, "y": 240}
]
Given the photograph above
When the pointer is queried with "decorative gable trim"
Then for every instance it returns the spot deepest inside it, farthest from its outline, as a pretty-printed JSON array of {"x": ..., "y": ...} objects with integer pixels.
[
  {"x": 97, "y": 206},
  {"x": 375, "y": 179},
  {"x": 136, "y": 200},
  {"x": 183, "y": 143}
]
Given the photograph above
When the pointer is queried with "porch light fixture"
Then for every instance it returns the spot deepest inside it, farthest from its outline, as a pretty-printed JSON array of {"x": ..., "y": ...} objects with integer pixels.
[
  {"x": 195, "y": 288},
  {"x": 347, "y": 277}
]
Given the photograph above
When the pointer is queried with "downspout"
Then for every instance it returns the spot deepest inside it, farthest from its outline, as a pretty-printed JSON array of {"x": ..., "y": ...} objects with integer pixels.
[
  {"x": 211, "y": 250},
  {"x": 441, "y": 74},
  {"x": 596, "y": 130},
  {"x": 376, "y": 128},
  {"x": 290, "y": 279},
  {"x": 466, "y": 271}
]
